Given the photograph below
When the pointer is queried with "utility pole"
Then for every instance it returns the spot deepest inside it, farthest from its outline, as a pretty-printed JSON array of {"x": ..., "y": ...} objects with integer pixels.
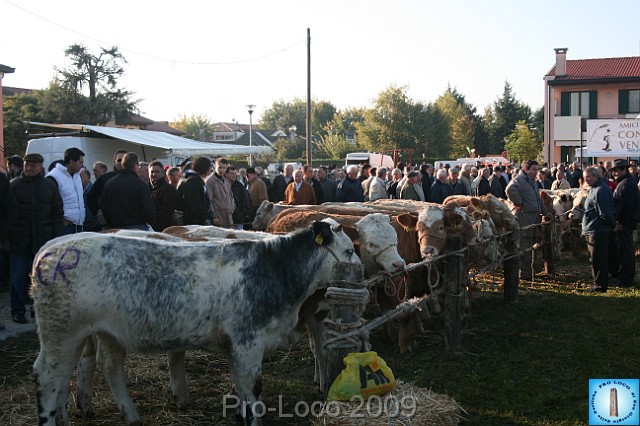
[{"x": 308, "y": 96}]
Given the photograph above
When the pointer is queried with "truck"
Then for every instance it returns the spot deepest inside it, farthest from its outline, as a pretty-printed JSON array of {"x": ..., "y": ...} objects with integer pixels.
[{"x": 376, "y": 160}]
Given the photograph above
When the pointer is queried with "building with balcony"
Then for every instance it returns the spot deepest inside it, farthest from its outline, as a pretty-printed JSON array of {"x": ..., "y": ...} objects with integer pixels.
[{"x": 582, "y": 89}]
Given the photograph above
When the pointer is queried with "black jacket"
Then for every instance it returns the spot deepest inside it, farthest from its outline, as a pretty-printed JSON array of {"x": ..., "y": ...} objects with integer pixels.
[
  {"x": 495, "y": 187},
  {"x": 39, "y": 216},
  {"x": 440, "y": 191},
  {"x": 193, "y": 201},
  {"x": 8, "y": 208},
  {"x": 126, "y": 201},
  {"x": 349, "y": 190},
  {"x": 317, "y": 188},
  {"x": 427, "y": 183},
  {"x": 165, "y": 199},
  {"x": 243, "y": 203},
  {"x": 277, "y": 189},
  {"x": 626, "y": 202},
  {"x": 95, "y": 194},
  {"x": 483, "y": 187}
]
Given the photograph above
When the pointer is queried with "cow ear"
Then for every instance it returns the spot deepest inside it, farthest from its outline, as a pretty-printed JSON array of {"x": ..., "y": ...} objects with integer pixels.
[
  {"x": 322, "y": 233},
  {"x": 351, "y": 232},
  {"x": 452, "y": 219},
  {"x": 470, "y": 209},
  {"x": 408, "y": 221},
  {"x": 269, "y": 207},
  {"x": 476, "y": 202},
  {"x": 544, "y": 196},
  {"x": 563, "y": 198},
  {"x": 476, "y": 215}
]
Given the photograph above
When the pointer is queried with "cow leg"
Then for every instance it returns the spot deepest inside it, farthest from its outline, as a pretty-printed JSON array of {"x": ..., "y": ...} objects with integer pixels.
[
  {"x": 86, "y": 368},
  {"x": 111, "y": 358},
  {"x": 52, "y": 371},
  {"x": 246, "y": 373},
  {"x": 316, "y": 342},
  {"x": 179, "y": 385}
]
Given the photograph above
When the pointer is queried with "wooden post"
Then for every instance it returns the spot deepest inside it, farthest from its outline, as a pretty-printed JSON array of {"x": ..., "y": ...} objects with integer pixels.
[
  {"x": 455, "y": 282},
  {"x": 547, "y": 248},
  {"x": 344, "y": 312}
]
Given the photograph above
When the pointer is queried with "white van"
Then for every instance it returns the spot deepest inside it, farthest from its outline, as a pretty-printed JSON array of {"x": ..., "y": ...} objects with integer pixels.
[
  {"x": 376, "y": 160},
  {"x": 95, "y": 149}
]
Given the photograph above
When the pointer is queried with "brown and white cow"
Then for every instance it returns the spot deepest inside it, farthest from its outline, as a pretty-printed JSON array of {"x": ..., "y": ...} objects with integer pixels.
[{"x": 199, "y": 297}]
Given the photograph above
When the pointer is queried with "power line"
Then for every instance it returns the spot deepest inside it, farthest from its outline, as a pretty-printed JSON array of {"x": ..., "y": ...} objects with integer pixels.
[{"x": 158, "y": 58}]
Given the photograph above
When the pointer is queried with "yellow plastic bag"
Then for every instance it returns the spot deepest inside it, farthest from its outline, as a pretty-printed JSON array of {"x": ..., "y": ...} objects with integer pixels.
[{"x": 365, "y": 374}]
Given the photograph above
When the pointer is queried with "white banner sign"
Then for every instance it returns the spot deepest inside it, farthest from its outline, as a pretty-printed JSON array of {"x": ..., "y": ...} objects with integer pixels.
[{"x": 613, "y": 138}]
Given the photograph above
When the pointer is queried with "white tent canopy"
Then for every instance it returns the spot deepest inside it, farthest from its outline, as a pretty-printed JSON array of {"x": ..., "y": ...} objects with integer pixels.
[{"x": 174, "y": 145}]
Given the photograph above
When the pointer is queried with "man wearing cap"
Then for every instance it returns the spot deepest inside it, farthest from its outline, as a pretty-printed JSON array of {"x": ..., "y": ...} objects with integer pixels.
[
  {"x": 412, "y": 190},
  {"x": 626, "y": 208},
  {"x": 457, "y": 186},
  {"x": 39, "y": 219},
  {"x": 495, "y": 186},
  {"x": 257, "y": 192},
  {"x": 597, "y": 223},
  {"x": 67, "y": 177}
]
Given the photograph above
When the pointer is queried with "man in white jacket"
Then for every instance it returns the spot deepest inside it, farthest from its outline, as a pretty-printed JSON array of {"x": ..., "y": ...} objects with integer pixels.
[
  {"x": 67, "y": 177},
  {"x": 378, "y": 187}
]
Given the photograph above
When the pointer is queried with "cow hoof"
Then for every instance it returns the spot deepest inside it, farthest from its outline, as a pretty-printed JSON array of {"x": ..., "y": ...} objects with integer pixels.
[{"x": 185, "y": 402}]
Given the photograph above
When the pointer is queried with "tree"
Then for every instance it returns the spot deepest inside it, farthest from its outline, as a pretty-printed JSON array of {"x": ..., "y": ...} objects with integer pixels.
[
  {"x": 522, "y": 144},
  {"x": 282, "y": 115},
  {"x": 393, "y": 122},
  {"x": 17, "y": 110},
  {"x": 537, "y": 123},
  {"x": 95, "y": 77},
  {"x": 459, "y": 118},
  {"x": 197, "y": 126},
  {"x": 506, "y": 113},
  {"x": 336, "y": 145}
]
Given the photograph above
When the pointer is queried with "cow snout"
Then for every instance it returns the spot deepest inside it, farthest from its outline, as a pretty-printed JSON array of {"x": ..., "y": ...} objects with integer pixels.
[
  {"x": 399, "y": 264},
  {"x": 429, "y": 251}
]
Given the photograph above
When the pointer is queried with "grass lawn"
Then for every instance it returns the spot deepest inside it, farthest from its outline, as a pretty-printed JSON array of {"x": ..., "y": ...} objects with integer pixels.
[{"x": 523, "y": 364}]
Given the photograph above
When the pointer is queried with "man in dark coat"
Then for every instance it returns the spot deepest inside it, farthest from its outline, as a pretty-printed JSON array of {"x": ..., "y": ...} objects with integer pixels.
[
  {"x": 483, "y": 184},
  {"x": 307, "y": 172},
  {"x": 39, "y": 219},
  {"x": 280, "y": 183},
  {"x": 240, "y": 197},
  {"x": 495, "y": 183},
  {"x": 8, "y": 212},
  {"x": 350, "y": 188},
  {"x": 164, "y": 196},
  {"x": 94, "y": 196},
  {"x": 626, "y": 207},
  {"x": 597, "y": 223},
  {"x": 440, "y": 188},
  {"x": 426, "y": 172},
  {"x": 328, "y": 184},
  {"x": 193, "y": 200},
  {"x": 126, "y": 199}
]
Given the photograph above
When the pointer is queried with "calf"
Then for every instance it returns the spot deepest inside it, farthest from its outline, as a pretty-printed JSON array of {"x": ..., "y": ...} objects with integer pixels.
[{"x": 241, "y": 298}]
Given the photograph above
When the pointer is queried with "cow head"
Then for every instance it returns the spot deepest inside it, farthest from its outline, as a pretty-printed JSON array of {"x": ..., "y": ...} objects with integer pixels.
[
  {"x": 432, "y": 232},
  {"x": 457, "y": 222},
  {"x": 329, "y": 234},
  {"x": 378, "y": 244},
  {"x": 264, "y": 214},
  {"x": 500, "y": 213},
  {"x": 577, "y": 209},
  {"x": 485, "y": 229}
]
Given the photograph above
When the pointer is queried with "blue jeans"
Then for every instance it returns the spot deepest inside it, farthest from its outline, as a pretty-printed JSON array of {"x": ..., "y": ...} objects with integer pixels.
[
  {"x": 20, "y": 268},
  {"x": 72, "y": 229}
]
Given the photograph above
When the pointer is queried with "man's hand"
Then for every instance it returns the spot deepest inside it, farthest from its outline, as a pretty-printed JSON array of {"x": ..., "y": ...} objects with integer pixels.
[{"x": 216, "y": 221}]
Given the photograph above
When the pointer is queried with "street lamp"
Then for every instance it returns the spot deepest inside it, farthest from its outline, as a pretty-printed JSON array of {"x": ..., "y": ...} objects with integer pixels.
[{"x": 251, "y": 108}]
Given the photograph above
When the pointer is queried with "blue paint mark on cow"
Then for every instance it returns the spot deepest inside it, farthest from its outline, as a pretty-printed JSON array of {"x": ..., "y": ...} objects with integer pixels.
[
  {"x": 41, "y": 278},
  {"x": 63, "y": 266}
]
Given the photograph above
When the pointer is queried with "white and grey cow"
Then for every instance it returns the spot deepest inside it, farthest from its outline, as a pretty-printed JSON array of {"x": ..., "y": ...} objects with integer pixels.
[{"x": 238, "y": 297}]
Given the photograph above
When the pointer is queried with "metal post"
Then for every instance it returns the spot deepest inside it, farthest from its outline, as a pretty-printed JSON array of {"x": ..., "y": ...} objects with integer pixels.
[
  {"x": 309, "y": 159},
  {"x": 251, "y": 108}
]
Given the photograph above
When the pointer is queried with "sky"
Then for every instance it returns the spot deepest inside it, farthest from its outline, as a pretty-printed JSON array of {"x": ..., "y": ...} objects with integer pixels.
[{"x": 216, "y": 57}]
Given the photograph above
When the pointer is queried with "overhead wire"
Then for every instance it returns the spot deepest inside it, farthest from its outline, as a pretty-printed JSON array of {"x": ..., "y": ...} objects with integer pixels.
[{"x": 159, "y": 58}]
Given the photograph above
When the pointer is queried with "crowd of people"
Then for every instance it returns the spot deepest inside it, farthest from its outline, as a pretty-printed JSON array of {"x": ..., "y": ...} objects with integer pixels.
[{"x": 38, "y": 204}]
